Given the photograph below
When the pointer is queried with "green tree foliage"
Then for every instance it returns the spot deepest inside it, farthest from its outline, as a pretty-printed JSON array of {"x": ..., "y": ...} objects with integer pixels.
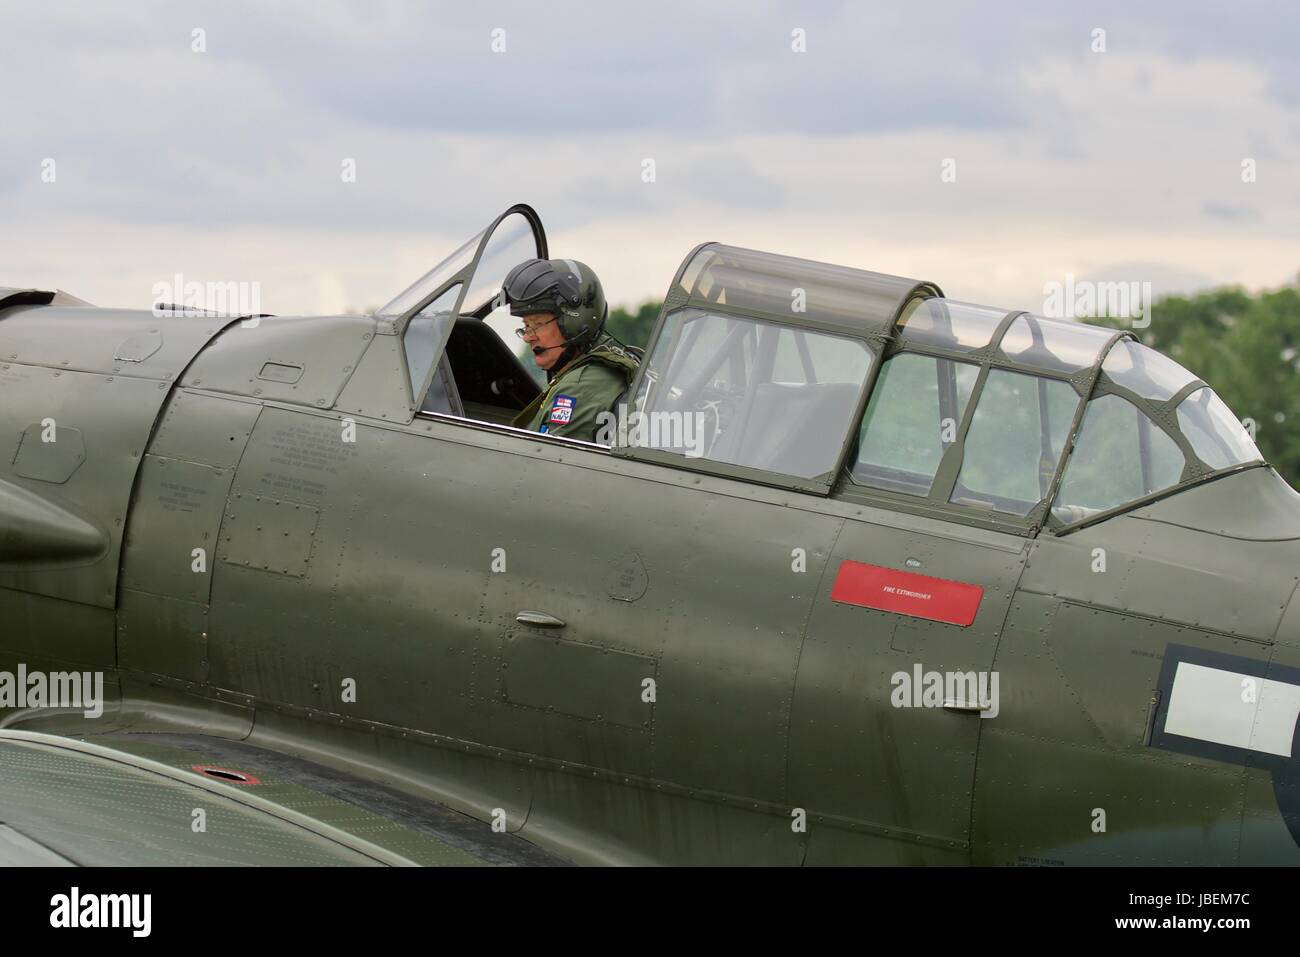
[
  {"x": 633, "y": 328},
  {"x": 1245, "y": 347}
]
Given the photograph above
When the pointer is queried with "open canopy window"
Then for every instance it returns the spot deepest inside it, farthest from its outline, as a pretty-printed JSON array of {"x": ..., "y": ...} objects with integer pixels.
[
  {"x": 483, "y": 260},
  {"x": 467, "y": 284}
]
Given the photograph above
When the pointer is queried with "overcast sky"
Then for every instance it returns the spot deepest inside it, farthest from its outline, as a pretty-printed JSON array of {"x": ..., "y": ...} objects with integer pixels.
[{"x": 226, "y": 164}]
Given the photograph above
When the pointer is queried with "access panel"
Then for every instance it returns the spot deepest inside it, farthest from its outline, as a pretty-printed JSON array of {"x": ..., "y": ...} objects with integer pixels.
[{"x": 895, "y": 683}]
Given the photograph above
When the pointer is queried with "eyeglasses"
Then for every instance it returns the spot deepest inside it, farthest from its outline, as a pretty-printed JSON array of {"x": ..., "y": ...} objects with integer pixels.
[{"x": 527, "y": 330}]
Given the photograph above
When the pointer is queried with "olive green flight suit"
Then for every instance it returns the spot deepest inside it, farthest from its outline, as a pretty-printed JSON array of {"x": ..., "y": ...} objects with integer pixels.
[{"x": 587, "y": 386}]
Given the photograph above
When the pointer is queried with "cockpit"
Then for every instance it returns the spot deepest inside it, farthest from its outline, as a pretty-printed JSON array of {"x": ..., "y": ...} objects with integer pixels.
[{"x": 850, "y": 384}]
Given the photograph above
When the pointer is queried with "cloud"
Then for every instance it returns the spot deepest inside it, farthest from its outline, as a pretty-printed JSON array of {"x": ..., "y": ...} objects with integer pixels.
[{"x": 227, "y": 164}]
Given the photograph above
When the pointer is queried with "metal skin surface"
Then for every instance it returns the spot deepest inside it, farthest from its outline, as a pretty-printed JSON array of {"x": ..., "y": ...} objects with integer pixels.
[{"x": 499, "y": 601}]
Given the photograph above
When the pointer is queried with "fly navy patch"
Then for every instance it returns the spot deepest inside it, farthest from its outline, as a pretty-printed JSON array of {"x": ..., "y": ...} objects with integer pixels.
[{"x": 562, "y": 410}]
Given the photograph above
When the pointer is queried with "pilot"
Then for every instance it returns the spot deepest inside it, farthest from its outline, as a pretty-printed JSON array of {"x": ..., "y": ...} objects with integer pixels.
[{"x": 563, "y": 309}]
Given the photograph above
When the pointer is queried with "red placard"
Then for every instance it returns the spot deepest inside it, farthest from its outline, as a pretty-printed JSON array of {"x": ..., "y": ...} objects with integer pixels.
[{"x": 906, "y": 593}]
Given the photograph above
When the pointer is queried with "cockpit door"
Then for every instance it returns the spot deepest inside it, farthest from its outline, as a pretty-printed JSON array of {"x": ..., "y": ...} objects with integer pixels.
[{"x": 466, "y": 283}]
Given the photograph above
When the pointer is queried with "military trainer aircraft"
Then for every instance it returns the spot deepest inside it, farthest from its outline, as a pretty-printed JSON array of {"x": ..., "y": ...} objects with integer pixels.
[{"x": 889, "y": 579}]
